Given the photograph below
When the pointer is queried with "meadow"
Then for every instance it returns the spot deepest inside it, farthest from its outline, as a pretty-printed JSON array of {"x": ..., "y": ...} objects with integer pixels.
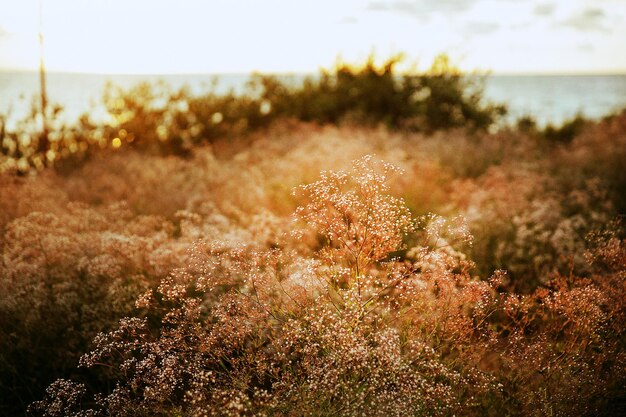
[{"x": 364, "y": 244}]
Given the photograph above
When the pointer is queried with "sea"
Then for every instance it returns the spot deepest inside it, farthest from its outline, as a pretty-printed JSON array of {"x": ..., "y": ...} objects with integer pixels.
[{"x": 549, "y": 99}]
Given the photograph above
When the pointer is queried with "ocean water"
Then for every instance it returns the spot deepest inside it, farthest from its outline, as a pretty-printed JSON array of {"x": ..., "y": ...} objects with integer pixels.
[
  {"x": 556, "y": 98},
  {"x": 547, "y": 98}
]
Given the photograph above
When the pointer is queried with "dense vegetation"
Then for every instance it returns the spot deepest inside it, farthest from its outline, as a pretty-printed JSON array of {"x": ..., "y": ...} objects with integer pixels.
[
  {"x": 263, "y": 262},
  {"x": 157, "y": 119}
]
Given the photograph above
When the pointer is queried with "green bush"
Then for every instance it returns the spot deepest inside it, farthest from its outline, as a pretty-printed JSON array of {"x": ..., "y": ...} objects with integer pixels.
[
  {"x": 566, "y": 132},
  {"x": 439, "y": 99}
]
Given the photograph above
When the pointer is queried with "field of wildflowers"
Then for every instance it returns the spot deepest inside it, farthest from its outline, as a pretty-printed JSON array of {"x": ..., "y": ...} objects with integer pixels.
[{"x": 315, "y": 269}]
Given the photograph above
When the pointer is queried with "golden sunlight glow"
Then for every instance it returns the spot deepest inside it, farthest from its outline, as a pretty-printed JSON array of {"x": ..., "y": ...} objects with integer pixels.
[{"x": 166, "y": 36}]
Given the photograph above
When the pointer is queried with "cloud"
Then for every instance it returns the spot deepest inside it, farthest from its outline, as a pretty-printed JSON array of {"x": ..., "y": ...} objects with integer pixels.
[
  {"x": 480, "y": 28},
  {"x": 421, "y": 9},
  {"x": 590, "y": 19},
  {"x": 544, "y": 9}
]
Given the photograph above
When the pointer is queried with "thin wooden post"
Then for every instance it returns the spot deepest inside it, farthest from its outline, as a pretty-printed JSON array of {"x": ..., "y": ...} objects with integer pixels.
[{"x": 43, "y": 143}]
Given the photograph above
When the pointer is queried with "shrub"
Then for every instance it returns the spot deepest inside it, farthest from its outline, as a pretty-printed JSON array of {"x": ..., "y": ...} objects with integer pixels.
[
  {"x": 159, "y": 120},
  {"x": 440, "y": 99},
  {"x": 566, "y": 132}
]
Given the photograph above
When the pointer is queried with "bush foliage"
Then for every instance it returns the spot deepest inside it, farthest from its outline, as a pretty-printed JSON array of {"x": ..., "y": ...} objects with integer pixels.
[{"x": 160, "y": 120}]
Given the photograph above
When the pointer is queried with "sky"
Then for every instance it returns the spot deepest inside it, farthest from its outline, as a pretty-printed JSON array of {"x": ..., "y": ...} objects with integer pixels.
[{"x": 226, "y": 36}]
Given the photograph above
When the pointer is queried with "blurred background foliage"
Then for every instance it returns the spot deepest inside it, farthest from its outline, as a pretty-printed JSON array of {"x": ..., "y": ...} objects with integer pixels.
[{"x": 155, "y": 118}]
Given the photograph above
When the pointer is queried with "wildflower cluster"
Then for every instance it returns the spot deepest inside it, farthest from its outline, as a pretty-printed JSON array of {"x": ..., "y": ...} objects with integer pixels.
[
  {"x": 188, "y": 288},
  {"x": 348, "y": 329}
]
